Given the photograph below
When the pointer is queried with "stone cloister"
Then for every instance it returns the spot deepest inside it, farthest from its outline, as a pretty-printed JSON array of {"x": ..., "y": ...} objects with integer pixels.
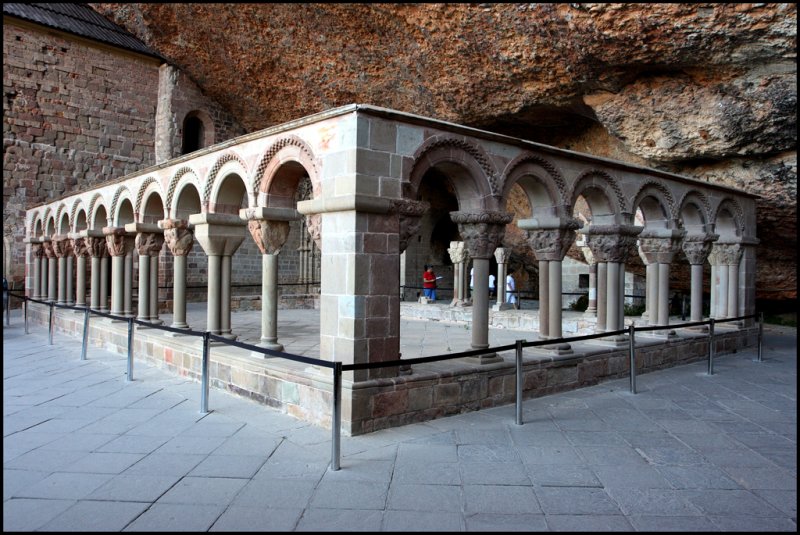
[{"x": 367, "y": 167}]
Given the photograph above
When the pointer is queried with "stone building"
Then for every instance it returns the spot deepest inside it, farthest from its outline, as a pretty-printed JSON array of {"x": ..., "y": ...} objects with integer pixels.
[{"x": 86, "y": 103}]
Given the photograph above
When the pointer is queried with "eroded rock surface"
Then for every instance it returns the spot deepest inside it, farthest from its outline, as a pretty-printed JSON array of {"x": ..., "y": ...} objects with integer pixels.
[{"x": 705, "y": 90}]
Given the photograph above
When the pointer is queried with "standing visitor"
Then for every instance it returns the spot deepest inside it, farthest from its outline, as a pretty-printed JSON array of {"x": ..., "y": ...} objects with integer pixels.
[
  {"x": 491, "y": 286},
  {"x": 429, "y": 283},
  {"x": 511, "y": 297}
]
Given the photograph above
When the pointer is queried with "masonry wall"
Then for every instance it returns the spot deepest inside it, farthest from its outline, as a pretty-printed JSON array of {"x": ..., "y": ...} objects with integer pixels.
[{"x": 77, "y": 114}]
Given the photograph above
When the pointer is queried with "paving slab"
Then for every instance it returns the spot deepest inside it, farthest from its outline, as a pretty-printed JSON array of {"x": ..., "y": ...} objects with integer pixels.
[{"x": 85, "y": 450}]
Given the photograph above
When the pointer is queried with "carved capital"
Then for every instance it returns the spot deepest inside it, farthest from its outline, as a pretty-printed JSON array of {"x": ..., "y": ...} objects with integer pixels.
[
  {"x": 269, "y": 235},
  {"x": 458, "y": 252},
  {"x": 502, "y": 255},
  {"x": 409, "y": 214},
  {"x": 149, "y": 243},
  {"x": 482, "y": 231},
  {"x": 97, "y": 247},
  {"x": 588, "y": 255},
  {"x": 118, "y": 241},
  {"x": 37, "y": 250},
  {"x": 725, "y": 254},
  {"x": 612, "y": 243},
  {"x": 314, "y": 226},
  {"x": 62, "y": 247},
  {"x": 80, "y": 247},
  {"x": 697, "y": 248},
  {"x": 655, "y": 250},
  {"x": 551, "y": 244},
  {"x": 47, "y": 247}
]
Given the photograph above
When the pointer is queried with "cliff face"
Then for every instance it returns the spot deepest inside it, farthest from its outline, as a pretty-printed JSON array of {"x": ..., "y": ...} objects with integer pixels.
[{"x": 705, "y": 90}]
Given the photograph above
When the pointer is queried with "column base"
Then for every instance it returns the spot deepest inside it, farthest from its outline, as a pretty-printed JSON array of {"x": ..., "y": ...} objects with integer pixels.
[
  {"x": 271, "y": 345},
  {"x": 665, "y": 334},
  {"x": 590, "y": 313},
  {"x": 488, "y": 358},
  {"x": 176, "y": 326},
  {"x": 558, "y": 349},
  {"x": 502, "y": 306}
]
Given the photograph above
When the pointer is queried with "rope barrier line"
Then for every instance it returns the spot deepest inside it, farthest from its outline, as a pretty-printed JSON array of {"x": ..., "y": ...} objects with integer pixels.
[{"x": 338, "y": 367}]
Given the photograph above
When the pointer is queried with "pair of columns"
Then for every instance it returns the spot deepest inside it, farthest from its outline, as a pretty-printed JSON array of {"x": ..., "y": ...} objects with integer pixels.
[
  {"x": 658, "y": 250},
  {"x": 459, "y": 256},
  {"x": 725, "y": 259},
  {"x": 610, "y": 246}
]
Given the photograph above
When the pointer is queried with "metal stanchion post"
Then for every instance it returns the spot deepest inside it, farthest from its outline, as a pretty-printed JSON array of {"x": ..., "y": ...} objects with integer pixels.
[
  {"x": 760, "y": 335},
  {"x": 85, "y": 333},
  {"x": 519, "y": 380},
  {"x": 130, "y": 350},
  {"x": 25, "y": 313},
  {"x": 50, "y": 326},
  {"x": 631, "y": 331},
  {"x": 336, "y": 419},
  {"x": 8, "y": 307},
  {"x": 711, "y": 347},
  {"x": 204, "y": 378}
]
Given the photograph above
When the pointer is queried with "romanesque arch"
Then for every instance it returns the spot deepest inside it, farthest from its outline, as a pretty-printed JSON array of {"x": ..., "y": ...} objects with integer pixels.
[
  {"x": 281, "y": 168},
  {"x": 539, "y": 179},
  {"x": 227, "y": 164},
  {"x": 602, "y": 195}
]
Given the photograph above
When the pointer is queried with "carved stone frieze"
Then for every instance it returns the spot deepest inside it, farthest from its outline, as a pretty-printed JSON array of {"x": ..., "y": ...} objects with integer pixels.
[
  {"x": 482, "y": 231},
  {"x": 149, "y": 243},
  {"x": 269, "y": 235}
]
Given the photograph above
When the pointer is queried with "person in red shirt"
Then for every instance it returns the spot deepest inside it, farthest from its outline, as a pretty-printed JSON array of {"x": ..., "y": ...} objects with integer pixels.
[{"x": 429, "y": 283}]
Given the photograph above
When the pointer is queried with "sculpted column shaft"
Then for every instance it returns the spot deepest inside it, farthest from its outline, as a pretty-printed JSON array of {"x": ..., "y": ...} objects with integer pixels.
[
  {"x": 62, "y": 249},
  {"x": 119, "y": 244},
  {"x": 602, "y": 294},
  {"x": 43, "y": 274},
  {"x": 456, "y": 256},
  {"x": 98, "y": 250},
  {"x": 269, "y": 236},
  {"x": 659, "y": 249},
  {"x": 482, "y": 232},
  {"x": 81, "y": 253},
  {"x": 502, "y": 256},
  {"x": 38, "y": 254},
  {"x": 179, "y": 239},
  {"x": 52, "y": 271},
  {"x": 697, "y": 249},
  {"x": 148, "y": 246},
  {"x": 611, "y": 244},
  {"x": 591, "y": 309},
  {"x": 127, "y": 293},
  {"x": 219, "y": 235},
  {"x": 550, "y": 245}
]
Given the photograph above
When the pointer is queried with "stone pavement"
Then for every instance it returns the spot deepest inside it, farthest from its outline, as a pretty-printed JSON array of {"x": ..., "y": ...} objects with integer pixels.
[{"x": 85, "y": 450}]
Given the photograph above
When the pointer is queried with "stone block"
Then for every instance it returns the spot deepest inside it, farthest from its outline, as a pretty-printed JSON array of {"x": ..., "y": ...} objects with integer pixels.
[
  {"x": 382, "y": 135},
  {"x": 389, "y": 403},
  {"x": 562, "y": 375},
  {"x": 446, "y": 394}
]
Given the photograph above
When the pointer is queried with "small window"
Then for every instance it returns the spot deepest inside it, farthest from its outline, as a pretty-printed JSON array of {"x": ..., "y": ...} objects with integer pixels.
[
  {"x": 193, "y": 134},
  {"x": 583, "y": 281}
]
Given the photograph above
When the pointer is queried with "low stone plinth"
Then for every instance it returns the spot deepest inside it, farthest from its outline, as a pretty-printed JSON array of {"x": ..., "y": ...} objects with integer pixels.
[{"x": 430, "y": 391}]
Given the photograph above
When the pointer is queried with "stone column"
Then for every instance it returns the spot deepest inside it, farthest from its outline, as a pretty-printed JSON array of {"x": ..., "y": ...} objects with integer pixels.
[
  {"x": 502, "y": 255},
  {"x": 458, "y": 255},
  {"x": 482, "y": 232},
  {"x": 697, "y": 248},
  {"x": 98, "y": 250},
  {"x": 651, "y": 283},
  {"x": 591, "y": 309},
  {"x": 611, "y": 244},
  {"x": 731, "y": 256},
  {"x": 219, "y": 235},
  {"x": 269, "y": 228},
  {"x": 38, "y": 254},
  {"x": 659, "y": 248},
  {"x": 550, "y": 243},
  {"x": 127, "y": 300},
  {"x": 719, "y": 280},
  {"x": 61, "y": 248},
  {"x": 602, "y": 295},
  {"x": 179, "y": 238},
  {"x": 148, "y": 243},
  {"x": 52, "y": 270},
  {"x": 80, "y": 248},
  {"x": 119, "y": 244}
]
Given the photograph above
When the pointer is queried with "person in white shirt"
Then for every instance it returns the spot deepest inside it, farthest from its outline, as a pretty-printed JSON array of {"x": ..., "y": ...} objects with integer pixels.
[
  {"x": 491, "y": 286},
  {"x": 511, "y": 297}
]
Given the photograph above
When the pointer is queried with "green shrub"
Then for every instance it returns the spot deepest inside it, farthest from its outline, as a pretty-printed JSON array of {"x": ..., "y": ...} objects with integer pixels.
[{"x": 580, "y": 304}]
